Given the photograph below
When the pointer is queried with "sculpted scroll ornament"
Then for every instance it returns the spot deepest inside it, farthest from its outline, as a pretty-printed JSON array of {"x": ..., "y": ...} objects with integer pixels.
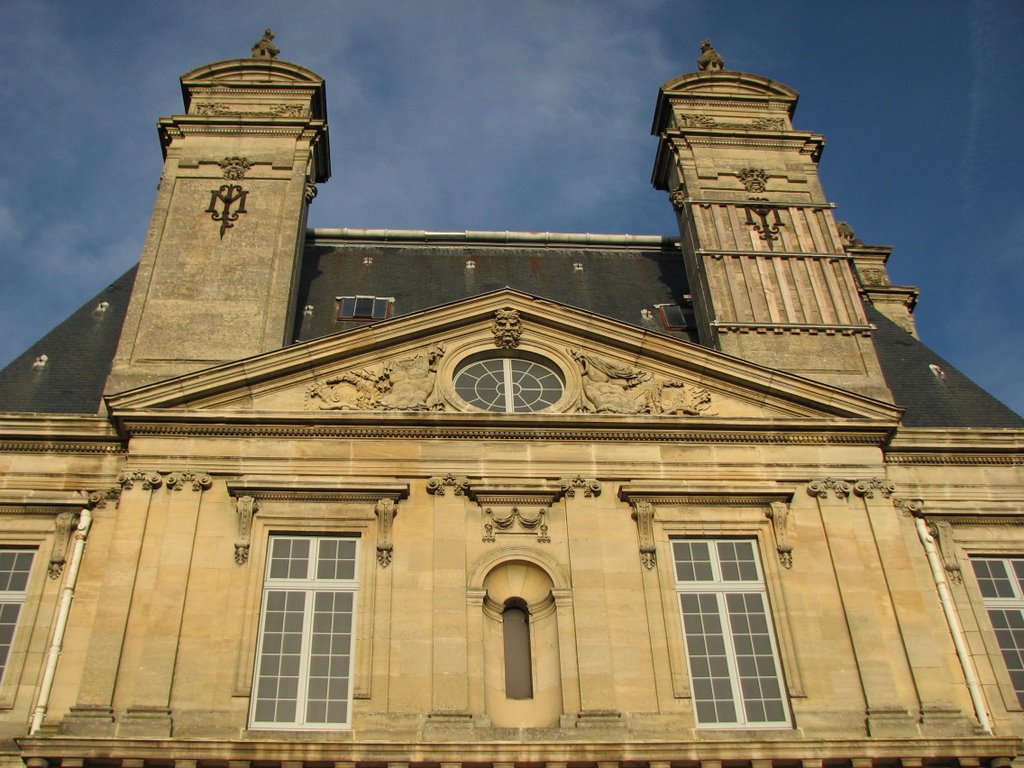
[
  {"x": 149, "y": 480},
  {"x": 820, "y": 488},
  {"x": 613, "y": 388},
  {"x": 403, "y": 384},
  {"x": 507, "y": 328},
  {"x": 198, "y": 481},
  {"x": 875, "y": 485},
  {"x": 437, "y": 485},
  {"x": 571, "y": 484}
]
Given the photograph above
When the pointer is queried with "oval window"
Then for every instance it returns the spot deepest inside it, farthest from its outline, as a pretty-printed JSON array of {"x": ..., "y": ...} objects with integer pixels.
[{"x": 509, "y": 384}]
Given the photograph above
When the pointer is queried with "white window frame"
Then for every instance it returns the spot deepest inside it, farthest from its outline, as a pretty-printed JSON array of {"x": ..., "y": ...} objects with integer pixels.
[
  {"x": 1014, "y": 603},
  {"x": 14, "y": 597},
  {"x": 310, "y": 586},
  {"x": 719, "y": 588}
]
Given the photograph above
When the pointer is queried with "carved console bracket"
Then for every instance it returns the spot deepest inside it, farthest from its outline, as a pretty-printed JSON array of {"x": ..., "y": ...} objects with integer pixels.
[
  {"x": 942, "y": 532},
  {"x": 643, "y": 513},
  {"x": 644, "y": 499},
  {"x": 778, "y": 513},
  {"x": 909, "y": 507},
  {"x": 245, "y": 508},
  {"x": 251, "y": 496},
  {"x": 63, "y": 525},
  {"x": 385, "y": 509}
]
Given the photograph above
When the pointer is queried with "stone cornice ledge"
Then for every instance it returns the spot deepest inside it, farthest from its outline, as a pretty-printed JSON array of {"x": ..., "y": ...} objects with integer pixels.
[
  {"x": 920, "y": 445},
  {"x": 574, "y": 426},
  {"x": 274, "y": 748}
]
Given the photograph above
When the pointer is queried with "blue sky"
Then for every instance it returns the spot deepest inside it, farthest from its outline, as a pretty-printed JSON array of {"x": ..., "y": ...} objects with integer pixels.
[{"x": 479, "y": 114}]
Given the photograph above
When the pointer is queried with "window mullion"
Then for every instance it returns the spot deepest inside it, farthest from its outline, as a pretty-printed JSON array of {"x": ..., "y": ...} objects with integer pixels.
[
  {"x": 730, "y": 658},
  {"x": 506, "y": 369}
]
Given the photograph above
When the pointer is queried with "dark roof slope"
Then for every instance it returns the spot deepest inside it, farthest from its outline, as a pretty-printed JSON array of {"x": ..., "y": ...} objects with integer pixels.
[
  {"x": 625, "y": 283},
  {"x": 79, "y": 354},
  {"x": 934, "y": 392}
]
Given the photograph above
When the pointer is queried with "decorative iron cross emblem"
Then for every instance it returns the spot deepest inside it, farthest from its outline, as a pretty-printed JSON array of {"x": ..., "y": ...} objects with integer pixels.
[
  {"x": 768, "y": 231},
  {"x": 228, "y": 195}
]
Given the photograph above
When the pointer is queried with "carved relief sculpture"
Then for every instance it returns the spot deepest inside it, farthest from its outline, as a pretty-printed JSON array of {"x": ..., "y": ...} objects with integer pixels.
[
  {"x": 507, "y": 328},
  {"x": 612, "y": 388},
  {"x": 385, "y": 509},
  {"x": 678, "y": 197},
  {"x": 264, "y": 47},
  {"x": 710, "y": 60},
  {"x": 767, "y": 226},
  {"x": 404, "y": 384},
  {"x": 753, "y": 179},
  {"x": 643, "y": 513},
  {"x": 235, "y": 168}
]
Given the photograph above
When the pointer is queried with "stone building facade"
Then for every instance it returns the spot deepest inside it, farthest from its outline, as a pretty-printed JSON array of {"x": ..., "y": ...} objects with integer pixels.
[{"x": 343, "y": 497}]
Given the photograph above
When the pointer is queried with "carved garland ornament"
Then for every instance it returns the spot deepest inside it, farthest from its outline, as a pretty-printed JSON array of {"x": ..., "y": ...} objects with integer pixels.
[
  {"x": 63, "y": 524},
  {"x": 535, "y": 522},
  {"x": 942, "y": 532}
]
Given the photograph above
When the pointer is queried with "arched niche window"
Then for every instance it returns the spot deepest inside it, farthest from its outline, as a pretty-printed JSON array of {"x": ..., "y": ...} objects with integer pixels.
[{"x": 515, "y": 621}]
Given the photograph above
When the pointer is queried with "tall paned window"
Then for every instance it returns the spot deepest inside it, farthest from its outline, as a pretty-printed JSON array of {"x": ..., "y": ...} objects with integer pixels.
[
  {"x": 15, "y": 565},
  {"x": 1001, "y": 581},
  {"x": 304, "y": 660},
  {"x": 730, "y": 645}
]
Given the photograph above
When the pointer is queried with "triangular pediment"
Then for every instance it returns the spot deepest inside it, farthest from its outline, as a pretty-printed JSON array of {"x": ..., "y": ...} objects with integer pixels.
[{"x": 433, "y": 364}]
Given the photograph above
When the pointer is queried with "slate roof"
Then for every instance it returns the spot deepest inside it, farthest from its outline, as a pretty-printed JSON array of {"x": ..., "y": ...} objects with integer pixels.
[
  {"x": 79, "y": 354},
  {"x": 939, "y": 396},
  {"x": 617, "y": 282}
]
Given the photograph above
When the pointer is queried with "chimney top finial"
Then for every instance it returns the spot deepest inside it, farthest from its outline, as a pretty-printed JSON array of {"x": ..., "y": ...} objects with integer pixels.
[
  {"x": 710, "y": 60},
  {"x": 265, "y": 48}
]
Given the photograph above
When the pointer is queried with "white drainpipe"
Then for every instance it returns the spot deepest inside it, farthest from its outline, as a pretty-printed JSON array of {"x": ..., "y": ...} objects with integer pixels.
[
  {"x": 955, "y": 628},
  {"x": 64, "y": 610}
]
